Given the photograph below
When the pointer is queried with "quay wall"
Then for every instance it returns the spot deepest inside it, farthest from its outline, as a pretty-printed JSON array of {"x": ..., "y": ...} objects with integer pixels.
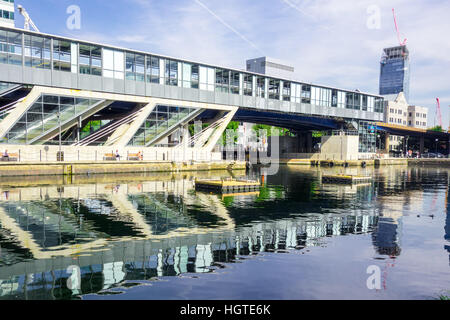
[
  {"x": 429, "y": 162},
  {"x": 112, "y": 167}
]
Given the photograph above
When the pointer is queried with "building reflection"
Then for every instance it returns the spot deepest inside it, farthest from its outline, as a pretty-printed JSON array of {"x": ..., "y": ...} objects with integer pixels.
[
  {"x": 447, "y": 221},
  {"x": 145, "y": 259},
  {"x": 118, "y": 234}
]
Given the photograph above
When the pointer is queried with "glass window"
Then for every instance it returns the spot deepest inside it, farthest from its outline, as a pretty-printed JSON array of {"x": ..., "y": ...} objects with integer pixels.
[
  {"x": 334, "y": 98},
  {"x": 356, "y": 101},
  {"x": 152, "y": 69},
  {"x": 261, "y": 87},
  {"x": 349, "y": 100},
  {"x": 248, "y": 85},
  {"x": 306, "y": 94},
  {"x": 135, "y": 67},
  {"x": 90, "y": 60},
  {"x": 191, "y": 76},
  {"x": 37, "y": 52},
  {"x": 62, "y": 55},
  {"x": 171, "y": 73},
  {"x": 10, "y": 47},
  {"x": 286, "y": 91},
  {"x": 364, "y": 103},
  {"x": 274, "y": 89},
  {"x": 235, "y": 82},
  {"x": 195, "y": 76},
  {"x": 222, "y": 80}
]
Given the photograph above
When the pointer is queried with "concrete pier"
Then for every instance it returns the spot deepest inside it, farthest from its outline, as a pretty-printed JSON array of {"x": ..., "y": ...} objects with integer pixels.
[{"x": 8, "y": 169}]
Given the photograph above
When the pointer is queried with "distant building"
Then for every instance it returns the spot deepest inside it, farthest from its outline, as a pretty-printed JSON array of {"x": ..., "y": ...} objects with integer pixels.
[
  {"x": 396, "y": 111},
  {"x": 418, "y": 117},
  {"x": 270, "y": 67},
  {"x": 395, "y": 72},
  {"x": 399, "y": 112},
  {"x": 7, "y": 13}
]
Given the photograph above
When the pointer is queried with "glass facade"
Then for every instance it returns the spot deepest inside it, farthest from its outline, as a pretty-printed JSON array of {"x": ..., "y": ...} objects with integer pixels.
[
  {"x": 367, "y": 137},
  {"x": 395, "y": 74},
  {"x": 54, "y": 53},
  {"x": 62, "y": 52},
  {"x": 10, "y": 47},
  {"x": 159, "y": 121},
  {"x": 46, "y": 114},
  {"x": 90, "y": 60}
]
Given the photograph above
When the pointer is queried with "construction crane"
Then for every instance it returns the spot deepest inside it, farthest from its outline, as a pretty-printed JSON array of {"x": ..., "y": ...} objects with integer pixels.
[
  {"x": 398, "y": 32},
  {"x": 438, "y": 112},
  {"x": 28, "y": 20}
]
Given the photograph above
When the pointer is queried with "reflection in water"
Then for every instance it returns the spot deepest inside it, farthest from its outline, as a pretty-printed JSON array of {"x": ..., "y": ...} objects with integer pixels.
[
  {"x": 447, "y": 221},
  {"x": 122, "y": 233}
]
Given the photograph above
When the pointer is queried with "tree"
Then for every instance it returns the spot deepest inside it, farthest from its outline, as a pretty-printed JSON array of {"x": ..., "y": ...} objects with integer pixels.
[
  {"x": 437, "y": 129},
  {"x": 270, "y": 130}
]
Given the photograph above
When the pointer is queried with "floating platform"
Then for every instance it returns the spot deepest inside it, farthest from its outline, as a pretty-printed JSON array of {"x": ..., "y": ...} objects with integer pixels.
[
  {"x": 342, "y": 178},
  {"x": 227, "y": 186}
]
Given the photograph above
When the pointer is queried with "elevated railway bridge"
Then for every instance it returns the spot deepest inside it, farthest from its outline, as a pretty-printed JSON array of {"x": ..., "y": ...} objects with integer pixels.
[{"x": 75, "y": 93}]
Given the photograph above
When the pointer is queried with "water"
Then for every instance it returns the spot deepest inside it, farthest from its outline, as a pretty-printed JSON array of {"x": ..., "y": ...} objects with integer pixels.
[{"x": 154, "y": 237}]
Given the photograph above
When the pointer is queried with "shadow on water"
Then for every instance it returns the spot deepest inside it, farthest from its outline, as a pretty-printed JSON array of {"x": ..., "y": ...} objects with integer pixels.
[{"x": 105, "y": 235}]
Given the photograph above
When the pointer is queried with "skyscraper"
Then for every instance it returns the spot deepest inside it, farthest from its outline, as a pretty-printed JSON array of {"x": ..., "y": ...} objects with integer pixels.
[{"x": 395, "y": 73}]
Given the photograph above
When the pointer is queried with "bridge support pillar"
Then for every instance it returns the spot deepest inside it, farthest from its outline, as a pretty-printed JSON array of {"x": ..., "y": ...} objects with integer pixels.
[
  {"x": 386, "y": 143},
  {"x": 309, "y": 142},
  {"x": 300, "y": 142},
  {"x": 421, "y": 145}
]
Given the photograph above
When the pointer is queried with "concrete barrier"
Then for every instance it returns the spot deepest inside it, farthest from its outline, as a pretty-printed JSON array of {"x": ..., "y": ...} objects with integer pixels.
[{"x": 87, "y": 168}]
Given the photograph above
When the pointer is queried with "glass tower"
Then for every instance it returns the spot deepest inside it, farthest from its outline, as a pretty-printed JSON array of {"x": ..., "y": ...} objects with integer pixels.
[{"x": 394, "y": 75}]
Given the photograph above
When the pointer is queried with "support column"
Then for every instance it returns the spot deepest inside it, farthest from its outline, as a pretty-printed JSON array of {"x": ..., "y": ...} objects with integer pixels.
[
  {"x": 301, "y": 142},
  {"x": 386, "y": 143},
  {"x": 309, "y": 142},
  {"x": 421, "y": 145}
]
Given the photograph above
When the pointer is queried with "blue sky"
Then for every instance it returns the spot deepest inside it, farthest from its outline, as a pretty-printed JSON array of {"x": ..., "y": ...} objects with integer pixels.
[{"x": 332, "y": 42}]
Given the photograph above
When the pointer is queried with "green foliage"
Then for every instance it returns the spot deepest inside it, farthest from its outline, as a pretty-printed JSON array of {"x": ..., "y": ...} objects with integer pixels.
[
  {"x": 233, "y": 125},
  {"x": 318, "y": 134},
  {"x": 282, "y": 132},
  {"x": 228, "y": 201},
  {"x": 437, "y": 129},
  {"x": 191, "y": 128},
  {"x": 93, "y": 124}
]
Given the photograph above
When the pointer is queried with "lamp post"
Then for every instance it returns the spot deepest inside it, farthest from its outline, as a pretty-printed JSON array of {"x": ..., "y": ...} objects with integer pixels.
[{"x": 437, "y": 140}]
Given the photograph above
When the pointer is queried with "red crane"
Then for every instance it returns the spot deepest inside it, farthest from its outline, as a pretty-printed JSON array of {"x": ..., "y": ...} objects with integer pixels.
[
  {"x": 398, "y": 32},
  {"x": 438, "y": 112}
]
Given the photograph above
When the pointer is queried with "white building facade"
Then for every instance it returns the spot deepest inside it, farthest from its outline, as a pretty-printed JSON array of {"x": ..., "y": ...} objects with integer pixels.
[
  {"x": 399, "y": 113},
  {"x": 418, "y": 117},
  {"x": 7, "y": 13}
]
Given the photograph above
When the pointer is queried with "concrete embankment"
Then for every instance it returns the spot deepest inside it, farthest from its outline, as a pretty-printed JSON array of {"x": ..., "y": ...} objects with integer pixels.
[
  {"x": 9, "y": 169},
  {"x": 344, "y": 163},
  {"x": 429, "y": 162}
]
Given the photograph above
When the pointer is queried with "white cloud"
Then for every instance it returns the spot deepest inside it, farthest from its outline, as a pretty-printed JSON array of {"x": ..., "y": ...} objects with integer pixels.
[{"x": 327, "y": 41}]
